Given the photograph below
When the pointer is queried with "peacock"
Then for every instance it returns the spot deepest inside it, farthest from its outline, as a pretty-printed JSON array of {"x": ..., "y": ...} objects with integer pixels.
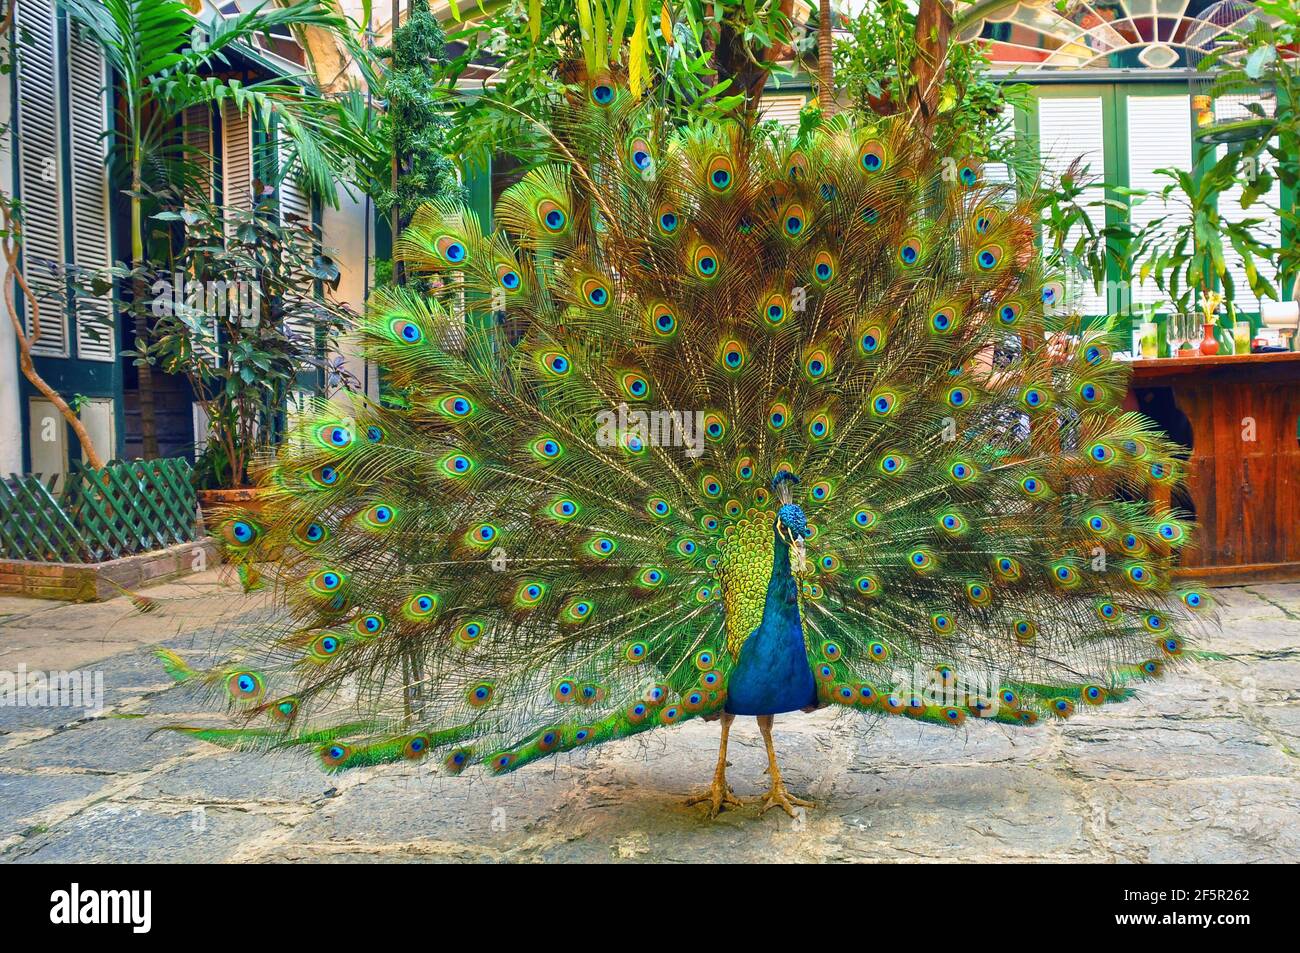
[{"x": 714, "y": 420}]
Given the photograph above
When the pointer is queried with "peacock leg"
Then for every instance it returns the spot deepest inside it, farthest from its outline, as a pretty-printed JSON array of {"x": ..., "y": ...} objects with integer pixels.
[
  {"x": 719, "y": 793},
  {"x": 778, "y": 795}
]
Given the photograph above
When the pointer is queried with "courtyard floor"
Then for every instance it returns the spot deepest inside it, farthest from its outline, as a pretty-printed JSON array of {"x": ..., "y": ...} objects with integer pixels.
[{"x": 1204, "y": 766}]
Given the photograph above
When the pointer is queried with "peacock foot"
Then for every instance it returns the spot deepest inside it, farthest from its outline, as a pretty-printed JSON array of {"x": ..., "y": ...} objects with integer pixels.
[
  {"x": 779, "y": 796},
  {"x": 718, "y": 797}
]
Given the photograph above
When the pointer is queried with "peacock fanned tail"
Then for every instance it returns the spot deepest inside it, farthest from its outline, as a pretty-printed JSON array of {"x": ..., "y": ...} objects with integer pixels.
[{"x": 564, "y": 532}]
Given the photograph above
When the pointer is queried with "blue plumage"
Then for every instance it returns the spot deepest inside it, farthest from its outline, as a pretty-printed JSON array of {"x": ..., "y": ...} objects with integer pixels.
[{"x": 772, "y": 674}]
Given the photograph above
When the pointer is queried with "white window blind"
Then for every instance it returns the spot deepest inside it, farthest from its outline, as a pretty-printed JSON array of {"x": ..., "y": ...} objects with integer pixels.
[
  {"x": 782, "y": 108},
  {"x": 39, "y": 181},
  {"x": 1070, "y": 128},
  {"x": 1268, "y": 232},
  {"x": 1159, "y": 137},
  {"x": 87, "y": 113}
]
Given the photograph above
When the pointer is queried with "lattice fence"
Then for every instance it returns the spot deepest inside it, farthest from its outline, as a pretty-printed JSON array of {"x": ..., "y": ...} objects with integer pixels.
[{"x": 118, "y": 510}]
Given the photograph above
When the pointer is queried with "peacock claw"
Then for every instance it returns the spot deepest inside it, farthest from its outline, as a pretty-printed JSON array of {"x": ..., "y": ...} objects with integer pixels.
[
  {"x": 718, "y": 796},
  {"x": 780, "y": 796}
]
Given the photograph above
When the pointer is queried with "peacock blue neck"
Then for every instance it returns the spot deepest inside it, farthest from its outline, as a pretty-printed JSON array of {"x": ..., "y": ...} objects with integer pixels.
[
  {"x": 782, "y": 605},
  {"x": 772, "y": 674}
]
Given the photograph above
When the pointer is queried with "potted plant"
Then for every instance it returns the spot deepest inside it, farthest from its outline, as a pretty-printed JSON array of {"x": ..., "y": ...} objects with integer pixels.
[
  {"x": 1184, "y": 250},
  {"x": 244, "y": 315}
]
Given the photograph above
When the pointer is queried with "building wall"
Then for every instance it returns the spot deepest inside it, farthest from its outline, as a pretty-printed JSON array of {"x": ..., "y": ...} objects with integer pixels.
[
  {"x": 348, "y": 234},
  {"x": 11, "y": 430}
]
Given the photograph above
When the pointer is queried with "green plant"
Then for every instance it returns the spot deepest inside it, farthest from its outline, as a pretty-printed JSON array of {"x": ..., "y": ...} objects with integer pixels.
[
  {"x": 1263, "y": 56},
  {"x": 165, "y": 59},
  {"x": 706, "y": 59},
  {"x": 244, "y": 317},
  {"x": 875, "y": 68},
  {"x": 1185, "y": 249},
  {"x": 418, "y": 125}
]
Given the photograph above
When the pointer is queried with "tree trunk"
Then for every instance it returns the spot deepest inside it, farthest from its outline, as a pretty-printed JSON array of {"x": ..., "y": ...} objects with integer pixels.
[
  {"x": 397, "y": 160},
  {"x": 825, "y": 60},
  {"x": 934, "y": 21},
  {"x": 736, "y": 62},
  {"x": 11, "y": 245},
  {"x": 144, "y": 378}
]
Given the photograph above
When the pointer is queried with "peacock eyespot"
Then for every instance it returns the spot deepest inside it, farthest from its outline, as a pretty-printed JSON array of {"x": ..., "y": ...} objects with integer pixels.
[
  {"x": 422, "y": 604},
  {"x": 595, "y": 293},
  {"x": 554, "y": 219},
  {"x": 641, "y": 156},
  {"x": 408, "y": 331},
  {"x": 603, "y": 94},
  {"x": 245, "y": 686},
  {"x": 242, "y": 532},
  {"x": 452, "y": 250},
  {"x": 872, "y": 157},
  {"x": 720, "y": 173},
  {"x": 988, "y": 258},
  {"x": 1101, "y": 453}
]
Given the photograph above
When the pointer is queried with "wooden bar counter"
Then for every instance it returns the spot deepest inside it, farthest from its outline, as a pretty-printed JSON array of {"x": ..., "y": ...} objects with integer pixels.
[{"x": 1239, "y": 415}]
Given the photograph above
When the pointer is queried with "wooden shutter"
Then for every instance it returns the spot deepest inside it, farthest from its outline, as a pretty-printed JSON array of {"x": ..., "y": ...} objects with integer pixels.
[
  {"x": 296, "y": 213},
  {"x": 784, "y": 109},
  {"x": 39, "y": 182},
  {"x": 236, "y": 159},
  {"x": 197, "y": 123},
  {"x": 87, "y": 113},
  {"x": 1070, "y": 128},
  {"x": 1159, "y": 137}
]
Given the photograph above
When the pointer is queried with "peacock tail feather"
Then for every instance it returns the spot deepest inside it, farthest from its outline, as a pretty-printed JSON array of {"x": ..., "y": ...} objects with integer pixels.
[{"x": 564, "y": 533}]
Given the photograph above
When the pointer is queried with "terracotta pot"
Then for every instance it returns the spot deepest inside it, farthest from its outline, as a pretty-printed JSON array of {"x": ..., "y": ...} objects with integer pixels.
[{"x": 218, "y": 505}]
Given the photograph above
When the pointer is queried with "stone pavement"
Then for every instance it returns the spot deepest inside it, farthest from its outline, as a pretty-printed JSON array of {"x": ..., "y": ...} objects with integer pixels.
[{"x": 1203, "y": 767}]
